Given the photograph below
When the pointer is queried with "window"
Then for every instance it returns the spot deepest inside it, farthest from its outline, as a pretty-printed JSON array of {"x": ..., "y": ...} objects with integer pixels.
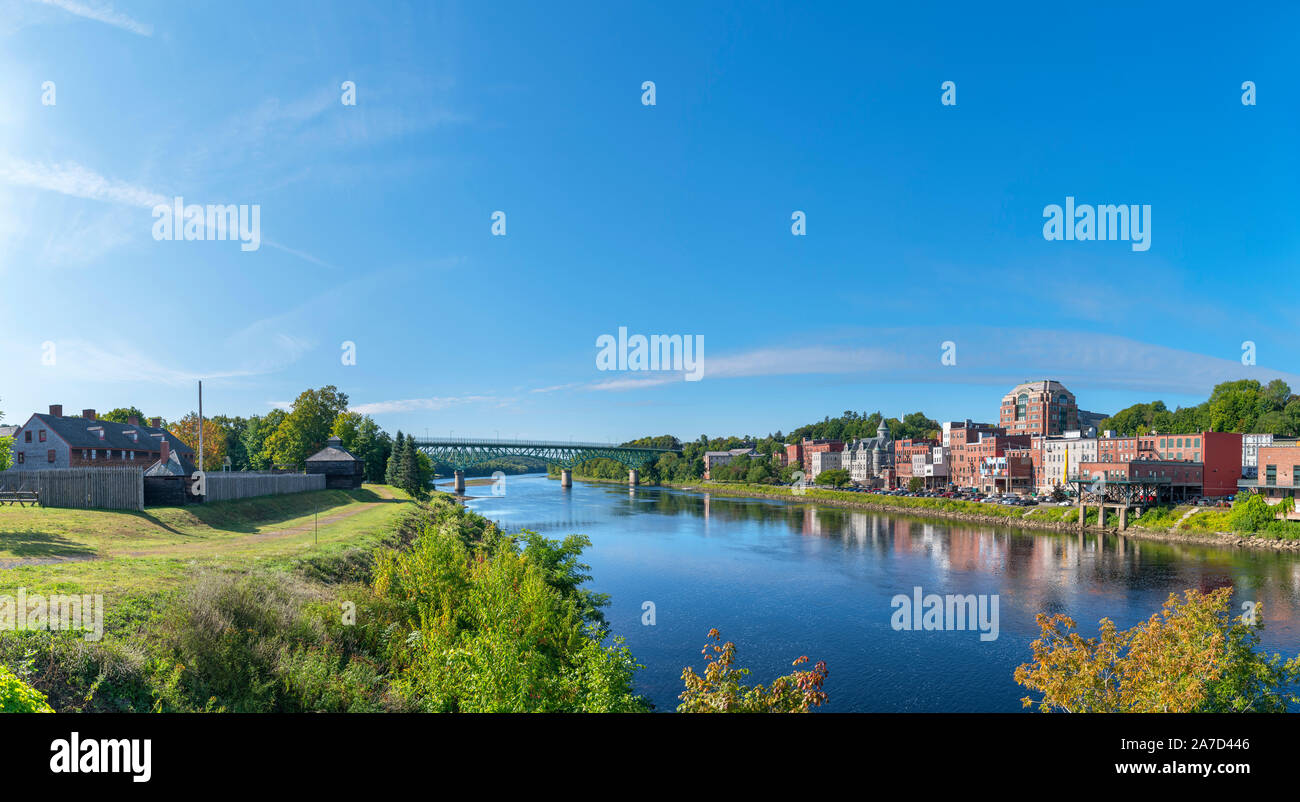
[
  {"x": 1021, "y": 403},
  {"x": 22, "y": 457},
  {"x": 50, "y": 456},
  {"x": 42, "y": 436},
  {"x": 27, "y": 436}
]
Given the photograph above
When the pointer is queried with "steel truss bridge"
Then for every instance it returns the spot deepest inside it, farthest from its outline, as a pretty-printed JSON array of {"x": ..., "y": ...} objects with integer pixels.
[{"x": 462, "y": 453}]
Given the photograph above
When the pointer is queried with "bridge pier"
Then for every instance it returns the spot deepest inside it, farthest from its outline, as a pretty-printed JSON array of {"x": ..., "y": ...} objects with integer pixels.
[
  {"x": 566, "y": 477},
  {"x": 459, "y": 483},
  {"x": 633, "y": 477}
]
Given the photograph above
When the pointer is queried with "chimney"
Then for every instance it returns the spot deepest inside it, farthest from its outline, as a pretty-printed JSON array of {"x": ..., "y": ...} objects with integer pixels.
[
  {"x": 134, "y": 420},
  {"x": 88, "y": 414},
  {"x": 166, "y": 450},
  {"x": 56, "y": 410},
  {"x": 155, "y": 423}
]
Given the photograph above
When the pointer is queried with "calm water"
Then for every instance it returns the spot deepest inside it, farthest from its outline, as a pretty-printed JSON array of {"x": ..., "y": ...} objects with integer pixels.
[{"x": 784, "y": 579}]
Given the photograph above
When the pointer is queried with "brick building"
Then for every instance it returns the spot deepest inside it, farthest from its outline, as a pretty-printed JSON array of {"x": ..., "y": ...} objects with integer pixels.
[
  {"x": 1039, "y": 407},
  {"x": 1186, "y": 479}
]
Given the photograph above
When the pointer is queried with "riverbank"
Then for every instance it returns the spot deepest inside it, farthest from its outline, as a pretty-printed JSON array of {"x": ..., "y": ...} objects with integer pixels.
[
  {"x": 1013, "y": 516},
  {"x": 1053, "y": 519}
]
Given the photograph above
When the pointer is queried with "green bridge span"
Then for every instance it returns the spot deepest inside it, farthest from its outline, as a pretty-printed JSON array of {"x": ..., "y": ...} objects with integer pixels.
[{"x": 462, "y": 453}]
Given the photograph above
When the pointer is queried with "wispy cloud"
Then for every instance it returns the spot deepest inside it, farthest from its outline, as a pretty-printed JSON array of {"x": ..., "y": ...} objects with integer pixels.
[
  {"x": 424, "y": 404},
  {"x": 111, "y": 361},
  {"x": 75, "y": 180},
  {"x": 983, "y": 356},
  {"x": 101, "y": 12}
]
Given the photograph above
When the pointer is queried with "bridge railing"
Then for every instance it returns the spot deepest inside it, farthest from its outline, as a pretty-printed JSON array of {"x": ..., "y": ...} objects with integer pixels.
[{"x": 496, "y": 443}]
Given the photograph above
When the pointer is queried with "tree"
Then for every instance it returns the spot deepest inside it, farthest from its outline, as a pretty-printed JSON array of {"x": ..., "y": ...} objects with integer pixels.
[
  {"x": 408, "y": 472},
  {"x": 722, "y": 690},
  {"x": 393, "y": 468},
  {"x": 837, "y": 477},
  {"x": 915, "y": 483},
  {"x": 257, "y": 431},
  {"x": 1191, "y": 657},
  {"x": 235, "y": 429},
  {"x": 124, "y": 415},
  {"x": 214, "y": 439},
  {"x": 367, "y": 442},
  {"x": 305, "y": 429}
]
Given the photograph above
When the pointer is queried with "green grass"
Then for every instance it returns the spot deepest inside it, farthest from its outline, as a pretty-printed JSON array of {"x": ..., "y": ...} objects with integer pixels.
[
  {"x": 901, "y": 502},
  {"x": 131, "y": 554}
]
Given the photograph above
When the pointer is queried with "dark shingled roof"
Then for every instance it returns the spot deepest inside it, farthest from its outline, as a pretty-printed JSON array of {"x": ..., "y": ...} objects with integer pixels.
[
  {"x": 333, "y": 452},
  {"x": 174, "y": 466},
  {"x": 83, "y": 433}
]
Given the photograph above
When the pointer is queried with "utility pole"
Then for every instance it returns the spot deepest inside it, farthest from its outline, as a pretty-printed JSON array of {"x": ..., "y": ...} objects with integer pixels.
[{"x": 200, "y": 424}]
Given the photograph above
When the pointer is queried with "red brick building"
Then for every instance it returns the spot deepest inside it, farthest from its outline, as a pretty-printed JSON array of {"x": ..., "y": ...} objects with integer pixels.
[
  {"x": 802, "y": 451},
  {"x": 1219, "y": 452},
  {"x": 1279, "y": 469},
  {"x": 1186, "y": 479},
  {"x": 1039, "y": 407},
  {"x": 968, "y": 458}
]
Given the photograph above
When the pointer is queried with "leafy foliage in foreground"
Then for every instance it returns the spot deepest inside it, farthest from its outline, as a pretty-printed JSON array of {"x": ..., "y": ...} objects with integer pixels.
[
  {"x": 17, "y": 696},
  {"x": 1193, "y": 656},
  {"x": 449, "y": 615},
  {"x": 722, "y": 688}
]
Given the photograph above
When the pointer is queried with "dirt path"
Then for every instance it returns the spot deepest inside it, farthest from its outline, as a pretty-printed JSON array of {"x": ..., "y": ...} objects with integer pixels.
[{"x": 256, "y": 537}]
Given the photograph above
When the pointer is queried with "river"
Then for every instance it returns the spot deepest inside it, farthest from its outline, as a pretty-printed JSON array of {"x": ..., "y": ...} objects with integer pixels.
[{"x": 784, "y": 579}]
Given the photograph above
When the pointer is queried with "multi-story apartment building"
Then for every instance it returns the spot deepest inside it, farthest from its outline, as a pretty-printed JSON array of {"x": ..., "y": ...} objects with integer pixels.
[
  {"x": 713, "y": 459},
  {"x": 1279, "y": 469},
  {"x": 48, "y": 441},
  {"x": 1057, "y": 459},
  {"x": 931, "y": 468},
  {"x": 802, "y": 451},
  {"x": 1012, "y": 471},
  {"x": 967, "y": 458},
  {"x": 1039, "y": 407},
  {"x": 1250, "y": 444},
  {"x": 823, "y": 461},
  {"x": 958, "y": 433}
]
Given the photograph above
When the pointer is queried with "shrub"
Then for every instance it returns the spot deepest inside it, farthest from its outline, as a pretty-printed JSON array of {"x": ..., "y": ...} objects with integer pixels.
[
  {"x": 1191, "y": 657},
  {"x": 17, "y": 696},
  {"x": 722, "y": 690}
]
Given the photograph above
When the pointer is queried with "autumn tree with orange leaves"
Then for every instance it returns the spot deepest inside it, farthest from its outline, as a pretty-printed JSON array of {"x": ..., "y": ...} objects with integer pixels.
[
  {"x": 214, "y": 439},
  {"x": 1192, "y": 656},
  {"x": 721, "y": 689}
]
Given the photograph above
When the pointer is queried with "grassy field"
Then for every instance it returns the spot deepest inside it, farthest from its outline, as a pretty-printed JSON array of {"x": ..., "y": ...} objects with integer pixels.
[{"x": 141, "y": 553}]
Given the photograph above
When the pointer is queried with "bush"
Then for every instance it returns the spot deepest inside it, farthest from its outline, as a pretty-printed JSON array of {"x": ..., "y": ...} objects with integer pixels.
[
  {"x": 17, "y": 696},
  {"x": 1193, "y": 656}
]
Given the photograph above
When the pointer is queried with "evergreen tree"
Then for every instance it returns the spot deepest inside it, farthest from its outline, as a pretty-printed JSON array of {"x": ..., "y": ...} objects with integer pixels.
[
  {"x": 394, "y": 462},
  {"x": 409, "y": 473}
]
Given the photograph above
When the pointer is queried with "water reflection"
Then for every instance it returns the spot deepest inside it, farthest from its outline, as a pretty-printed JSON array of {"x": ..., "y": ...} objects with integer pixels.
[{"x": 788, "y": 578}]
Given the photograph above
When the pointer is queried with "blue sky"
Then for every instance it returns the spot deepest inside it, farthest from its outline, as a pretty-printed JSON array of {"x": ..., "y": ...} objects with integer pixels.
[{"x": 924, "y": 221}]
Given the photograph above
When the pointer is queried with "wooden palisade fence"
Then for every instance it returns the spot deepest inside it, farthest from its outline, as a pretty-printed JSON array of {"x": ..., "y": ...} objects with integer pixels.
[{"x": 83, "y": 488}]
